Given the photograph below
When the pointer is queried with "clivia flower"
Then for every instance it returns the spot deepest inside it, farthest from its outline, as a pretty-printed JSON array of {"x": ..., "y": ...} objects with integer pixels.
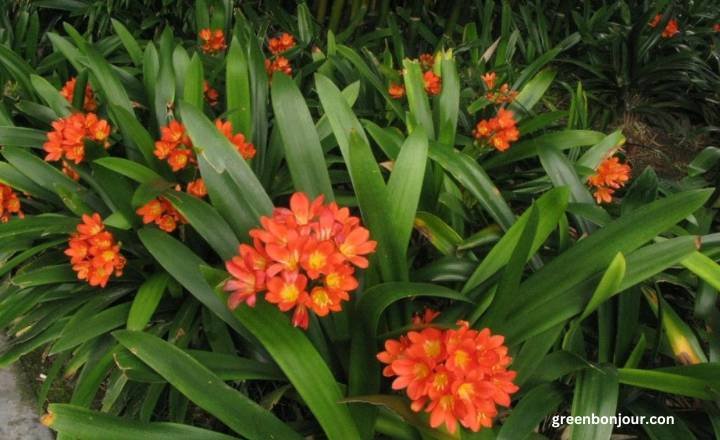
[
  {"x": 502, "y": 94},
  {"x": 161, "y": 212},
  {"x": 427, "y": 61},
  {"x": 609, "y": 176},
  {"x": 433, "y": 83},
  {"x": 500, "y": 130},
  {"x": 211, "y": 95},
  {"x": 9, "y": 203},
  {"x": 281, "y": 44},
  {"x": 396, "y": 91},
  {"x": 246, "y": 149},
  {"x": 213, "y": 41},
  {"x": 671, "y": 28},
  {"x": 489, "y": 80},
  {"x": 89, "y": 102},
  {"x": 93, "y": 252},
  {"x": 455, "y": 375},
  {"x": 302, "y": 259},
  {"x": 278, "y": 64},
  {"x": 68, "y": 136},
  {"x": 426, "y": 318},
  {"x": 197, "y": 188}
]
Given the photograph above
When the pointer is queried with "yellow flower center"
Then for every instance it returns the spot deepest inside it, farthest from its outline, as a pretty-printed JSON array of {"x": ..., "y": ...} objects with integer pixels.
[
  {"x": 421, "y": 371},
  {"x": 289, "y": 293},
  {"x": 466, "y": 391},
  {"x": 317, "y": 260},
  {"x": 333, "y": 280},
  {"x": 440, "y": 381},
  {"x": 432, "y": 347},
  {"x": 321, "y": 297},
  {"x": 461, "y": 358}
]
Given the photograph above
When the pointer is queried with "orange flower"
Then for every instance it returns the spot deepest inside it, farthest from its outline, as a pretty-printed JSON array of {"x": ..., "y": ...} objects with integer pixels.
[
  {"x": 279, "y": 64},
  {"x": 433, "y": 83},
  {"x": 211, "y": 95},
  {"x": 609, "y": 176},
  {"x": 213, "y": 41},
  {"x": 427, "y": 61},
  {"x": 426, "y": 318},
  {"x": 396, "y": 91},
  {"x": 68, "y": 91},
  {"x": 302, "y": 259},
  {"x": 68, "y": 171},
  {"x": 500, "y": 131},
  {"x": 161, "y": 212},
  {"x": 281, "y": 44},
  {"x": 9, "y": 203},
  {"x": 502, "y": 95},
  {"x": 175, "y": 146},
  {"x": 456, "y": 375},
  {"x": 489, "y": 80},
  {"x": 671, "y": 28},
  {"x": 197, "y": 188},
  {"x": 93, "y": 252},
  {"x": 67, "y": 138},
  {"x": 246, "y": 149}
]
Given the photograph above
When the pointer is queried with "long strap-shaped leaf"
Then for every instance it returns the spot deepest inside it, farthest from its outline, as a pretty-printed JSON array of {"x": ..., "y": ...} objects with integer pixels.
[{"x": 204, "y": 387}]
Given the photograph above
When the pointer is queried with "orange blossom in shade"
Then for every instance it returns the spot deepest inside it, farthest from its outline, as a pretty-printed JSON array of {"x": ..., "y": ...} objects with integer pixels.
[
  {"x": 9, "y": 204},
  {"x": 279, "y": 64},
  {"x": 489, "y": 80},
  {"x": 68, "y": 90},
  {"x": 502, "y": 95},
  {"x": 93, "y": 252},
  {"x": 302, "y": 259},
  {"x": 161, "y": 212},
  {"x": 67, "y": 138},
  {"x": 609, "y": 176},
  {"x": 500, "y": 131},
  {"x": 455, "y": 375},
  {"x": 427, "y": 61},
  {"x": 433, "y": 83},
  {"x": 396, "y": 91},
  {"x": 246, "y": 149},
  {"x": 281, "y": 44},
  {"x": 425, "y": 318},
  {"x": 211, "y": 95},
  {"x": 671, "y": 28},
  {"x": 197, "y": 188},
  {"x": 174, "y": 146},
  {"x": 213, "y": 40},
  {"x": 716, "y": 27}
]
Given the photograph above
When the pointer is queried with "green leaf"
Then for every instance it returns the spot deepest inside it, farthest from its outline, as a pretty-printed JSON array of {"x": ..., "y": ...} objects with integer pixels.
[
  {"x": 204, "y": 388},
  {"x": 193, "y": 92},
  {"x": 135, "y": 135},
  {"x": 237, "y": 89},
  {"x": 608, "y": 286},
  {"x": 22, "y": 137},
  {"x": 131, "y": 45},
  {"x": 130, "y": 169},
  {"x": 537, "y": 404},
  {"x": 405, "y": 185},
  {"x": 532, "y": 92},
  {"x": 704, "y": 267},
  {"x": 300, "y": 140},
  {"x": 448, "y": 102},
  {"x": 441, "y": 235},
  {"x": 146, "y": 301},
  {"x": 596, "y": 393},
  {"x": 100, "y": 323},
  {"x": 673, "y": 383},
  {"x": 418, "y": 102},
  {"x": 50, "y": 95}
]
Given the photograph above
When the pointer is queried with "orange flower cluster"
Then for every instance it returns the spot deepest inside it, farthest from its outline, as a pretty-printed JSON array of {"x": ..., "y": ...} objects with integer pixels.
[
  {"x": 176, "y": 147},
  {"x": 93, "y": 253},
  {"x": 500, "y": 130},
  {"x": 211, "y": 95},
  {"x": 162, "y": 213},
  {"x": 671, "y": 28},
  {"x": 9, "y": 203},
  {"x": 278, "y": 64},
  {"x": 302, "y": 258},
  {"x": 396, "y": 91},
  {"x": 67, "y": 138},
  {"x": 281, "y": 44},
  {"x": 433, "y": 83},
  {"x": 454, "y": 374},
  {"x": 197, "y": 188},
  {"x": 609, "y": 176},
  {"x": 427, "y": 61},
  {"x": 502, "y": 95},
  {"x": 68, "y": 90},
  {"x": 213, "y": 41}
]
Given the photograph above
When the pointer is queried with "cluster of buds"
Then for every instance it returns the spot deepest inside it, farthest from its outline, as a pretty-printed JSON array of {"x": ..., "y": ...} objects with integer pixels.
[
  {"x": 211, "y": 95},
  {"x": 161, "y": 212},
  {"x": 89, "y": 102},
  {"x": 671, "y": 28},
  {"x": 500, "y": 131},
  {"x": 176, "y": 147},
  {"x": 93, "y": 252},
  {"x": 67, "y": 138},
  {"x": 609, "y": 176},
  {"x": 455, "y": 374},
  {"x": 278, "y": 46},
  {"x": 9, "y": 203},
  {"x": 432, "y": 82},
  {"x": 498, "y": 95},
  {"x": 213, "y": 40},
  {"x": 302, "y": 258}
]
